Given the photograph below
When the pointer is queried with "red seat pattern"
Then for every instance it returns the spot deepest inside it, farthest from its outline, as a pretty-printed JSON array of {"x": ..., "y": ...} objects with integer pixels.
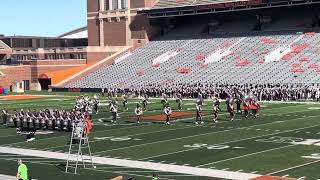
[
  {"x": 254, "y": 51},
  {"x": 296, "y": 65},
  {"x": 183, "y": 70},
  {"x": 264, "y": 52},
  {"x": 140, "y": 72},
  {"x": 304, "y": 59},
  {"x": 243, "y": 63},
  {"x": 288, "y": 56},
  {"x": 201, "y": 57},
  {"x": 313, "y": 66},
  {"x": 268, "y": 40},
  {"x": 297, "y": 70},
  {"x": 297, "y": 48},
  {"x": 204, "y": 66},
  {"x": 310, "y": 33},
  {"x": 156, "y": 65}
]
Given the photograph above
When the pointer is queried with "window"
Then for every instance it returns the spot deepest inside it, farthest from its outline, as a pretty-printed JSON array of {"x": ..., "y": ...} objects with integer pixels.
[
  {"x": 106, "y": 5},
  {"x": 115, "y": 4},
  {"x": 123, "y": 4}
]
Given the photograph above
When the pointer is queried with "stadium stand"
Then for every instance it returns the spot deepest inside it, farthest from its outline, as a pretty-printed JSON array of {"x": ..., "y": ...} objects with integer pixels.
[{"x": 237, "y": 58}]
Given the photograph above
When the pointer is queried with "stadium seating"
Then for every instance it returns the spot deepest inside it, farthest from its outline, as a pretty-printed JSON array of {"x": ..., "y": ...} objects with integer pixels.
[{"x": 244, "y": 62}]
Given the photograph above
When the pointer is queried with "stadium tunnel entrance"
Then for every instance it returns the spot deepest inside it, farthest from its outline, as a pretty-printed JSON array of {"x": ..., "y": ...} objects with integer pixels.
[{"x": 44, "y": 81}]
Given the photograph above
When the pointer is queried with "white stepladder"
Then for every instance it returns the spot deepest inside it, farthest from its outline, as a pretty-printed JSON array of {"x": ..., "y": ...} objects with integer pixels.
[{"x": 79, "y": 140}]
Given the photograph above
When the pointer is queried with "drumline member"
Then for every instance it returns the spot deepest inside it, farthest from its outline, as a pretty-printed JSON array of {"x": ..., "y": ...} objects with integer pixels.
[
  {"x": 215, "y": 108},
  {"x": 168, "y": 112},
  {"x": 138, "y": 111}
]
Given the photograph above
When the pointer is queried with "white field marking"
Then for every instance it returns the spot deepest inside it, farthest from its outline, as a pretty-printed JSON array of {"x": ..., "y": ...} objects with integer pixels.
[
  {"x": 44, "y": 139},
  {"x": 92, "y": 169},
  {"x": 176, "y": 175},
  {"x": 176, "y": 152},
  {"x": 287, "y": 175},
  {"x": 246, "y": 155},
  {"x": 137, "y": 164},
  {"x": 303, "y": 177},
  {"x": 260, "y": 151},
  {"x": 126, "y": 135},
  {"x": 225, "y": 169},
  {"x": 240, "y": 170},
  {"x": 254, "y": 172},
  {"x": 6, "y": 177},
  {"x": 294, "y": 167},
  {"x": 185, "y": 137}
]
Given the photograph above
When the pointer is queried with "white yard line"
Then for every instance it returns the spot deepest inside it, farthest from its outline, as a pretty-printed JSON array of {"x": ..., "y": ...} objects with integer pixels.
[
  {"x": 246, "y": 155},
  {"x": 209, "y": 133},
  {"x": 125, "y": 135},
  {"x": 137, "y": 164},
  {"x": 294, "y": 167},
  {"x": 177, "y": 152},
  {"x": 6, "y": 177}
]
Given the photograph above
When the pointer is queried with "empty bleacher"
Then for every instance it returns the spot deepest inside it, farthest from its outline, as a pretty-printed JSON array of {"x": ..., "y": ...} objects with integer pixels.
[{"x": 243, "y": 63}]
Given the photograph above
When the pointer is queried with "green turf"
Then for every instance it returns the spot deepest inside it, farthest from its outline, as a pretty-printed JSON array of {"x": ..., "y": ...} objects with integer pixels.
[{"x": 243, "y": 145}]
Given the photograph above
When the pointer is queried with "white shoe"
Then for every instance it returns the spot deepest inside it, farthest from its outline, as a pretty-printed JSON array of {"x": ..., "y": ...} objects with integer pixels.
[
  {"x": 196, "y": 123},
  {"x": 31, "y": 139},
  {"x": 138, "y": 122},
  {"x": 202, "y": 122}
]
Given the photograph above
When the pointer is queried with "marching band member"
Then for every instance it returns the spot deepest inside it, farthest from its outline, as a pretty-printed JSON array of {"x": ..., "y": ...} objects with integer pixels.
[
  {"x": 15, "y": 118},
  {"x": 138, "y": 111},
  {"x": 199, "y": 114},
  {"x": 216, "y": 108},
  {"x": 5, "y": 116},
  {"x": 230, "y": 108},
  {"x": 96, "y": 104},
  {"x": 255, "y": 106},
  {"x": 168, "y": 112},
  {"x": 238, "y": 102},
  {"x": 125, "y": 102},
  {"x": 179, "y": 101},
  {"x": 22, "y": 118},
  {"x": 164, "y": 100},
  {"x": 145, "y": 102},
  {"x": 29, "y": 118},
  {"x": 246, "y": 107},
  {"x": 114, "y": 112}
]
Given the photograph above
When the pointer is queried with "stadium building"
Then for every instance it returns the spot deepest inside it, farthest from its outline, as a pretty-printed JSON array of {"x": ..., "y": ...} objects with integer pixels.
[{"x": 171, "y": 42}]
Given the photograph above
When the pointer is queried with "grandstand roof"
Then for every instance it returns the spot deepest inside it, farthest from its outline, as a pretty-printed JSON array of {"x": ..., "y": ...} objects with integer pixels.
[
  {"x": 167, "y": 8},
  {"x": 180, "y": 3},
  {"x": 76, "y": 33}
]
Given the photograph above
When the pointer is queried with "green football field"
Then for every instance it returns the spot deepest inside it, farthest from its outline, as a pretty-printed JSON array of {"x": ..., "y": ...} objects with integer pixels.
[{"x": 283, "y": 141}]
